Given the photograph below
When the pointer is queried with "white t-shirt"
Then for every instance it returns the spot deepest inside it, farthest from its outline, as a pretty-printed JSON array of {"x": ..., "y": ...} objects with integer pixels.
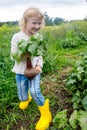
[{"x": 19, "y": 68}]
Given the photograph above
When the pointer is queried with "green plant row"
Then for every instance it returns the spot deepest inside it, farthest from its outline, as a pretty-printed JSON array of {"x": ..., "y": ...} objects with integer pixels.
[
  {"x": 77, "y": 118},
  {"x": 76, "y": 83}
]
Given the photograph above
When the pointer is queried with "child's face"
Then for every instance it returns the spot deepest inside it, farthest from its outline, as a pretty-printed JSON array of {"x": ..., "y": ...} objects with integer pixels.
[{"x": 33, "y": 25}]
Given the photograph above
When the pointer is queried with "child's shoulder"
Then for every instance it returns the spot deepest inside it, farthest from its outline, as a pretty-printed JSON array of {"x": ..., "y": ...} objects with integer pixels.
[{"x": 18, "y": 34}]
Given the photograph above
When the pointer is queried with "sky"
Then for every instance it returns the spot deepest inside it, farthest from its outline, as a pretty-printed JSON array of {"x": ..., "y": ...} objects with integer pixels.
[{"x": 11, "y": 10}]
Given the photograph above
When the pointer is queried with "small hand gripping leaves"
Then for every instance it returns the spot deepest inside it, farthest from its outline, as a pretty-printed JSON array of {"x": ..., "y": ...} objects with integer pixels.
[{"x": 31, "y": 73}]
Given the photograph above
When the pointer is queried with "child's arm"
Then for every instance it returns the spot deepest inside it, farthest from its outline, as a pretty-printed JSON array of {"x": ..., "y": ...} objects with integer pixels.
[{"x": 14, "y": 47}]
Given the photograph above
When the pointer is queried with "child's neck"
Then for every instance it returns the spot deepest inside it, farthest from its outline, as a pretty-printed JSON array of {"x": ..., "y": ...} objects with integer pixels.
[{"x": 27, "y": 33}]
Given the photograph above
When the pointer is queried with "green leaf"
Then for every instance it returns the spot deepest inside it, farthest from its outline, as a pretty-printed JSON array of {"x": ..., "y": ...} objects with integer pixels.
[
  {"x": 84, "y": 102},
  {"x": 61, "y": 119},
  {"x": 40, "y": 51},
  {"x": 82, "y": 118},
  {"x": 73, "y": 119},
  {"x": 22, "y": 45},
  {"x": 76, "y": 99},
  {"x": 17, "y": 56},
  {"x": 38, "y": 37},
  {"x": 32, "y": 48}
]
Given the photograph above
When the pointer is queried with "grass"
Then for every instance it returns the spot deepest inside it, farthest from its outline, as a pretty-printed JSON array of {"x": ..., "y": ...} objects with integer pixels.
[
  {"x": 68, "y": 57},
  {"x": 52, "y": 84}
]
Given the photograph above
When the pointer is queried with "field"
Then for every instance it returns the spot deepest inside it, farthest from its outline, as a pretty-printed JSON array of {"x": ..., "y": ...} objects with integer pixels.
[{"x": 67, "y": 44}]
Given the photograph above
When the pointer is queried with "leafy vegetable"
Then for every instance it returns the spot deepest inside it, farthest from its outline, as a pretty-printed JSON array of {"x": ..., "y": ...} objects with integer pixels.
[
  {"x": 77, "y": 118},
  {"x": 34, "y": 46},
  {"x": 82, "y": 118},
  {"x": 71, "y": 40},
  {"x": 77, "y": 83},
  {"x": 73, "y": 119},
  {"x": 76, "y": 99},
  {"x": 84, "y": 102},
  {"x": 61, "y": 119}
]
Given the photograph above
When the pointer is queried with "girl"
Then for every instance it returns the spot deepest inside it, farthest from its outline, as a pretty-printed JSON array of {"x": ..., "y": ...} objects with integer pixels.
[{"x": 30, "y": 24}]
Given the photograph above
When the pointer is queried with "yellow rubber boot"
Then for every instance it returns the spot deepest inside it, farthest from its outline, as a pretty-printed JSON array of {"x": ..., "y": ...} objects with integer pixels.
[
  {"x": 45, "y": 118},
  {"x": 24, "y": 105}
]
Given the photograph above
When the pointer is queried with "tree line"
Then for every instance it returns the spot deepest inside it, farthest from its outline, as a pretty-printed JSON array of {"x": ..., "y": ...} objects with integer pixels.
[{"x": 49, "y": 21}]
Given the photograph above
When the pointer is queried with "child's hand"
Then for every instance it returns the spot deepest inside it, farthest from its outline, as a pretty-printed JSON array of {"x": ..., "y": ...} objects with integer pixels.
[{"x": 38, "y": 68}]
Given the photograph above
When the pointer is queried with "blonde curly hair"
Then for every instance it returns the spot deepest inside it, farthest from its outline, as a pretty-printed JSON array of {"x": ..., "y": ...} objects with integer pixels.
[{"x": 30, "y": 12}]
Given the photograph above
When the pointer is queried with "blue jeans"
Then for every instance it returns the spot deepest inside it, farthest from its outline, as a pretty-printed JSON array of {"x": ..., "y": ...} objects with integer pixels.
[{"x": 24, "y": 85}]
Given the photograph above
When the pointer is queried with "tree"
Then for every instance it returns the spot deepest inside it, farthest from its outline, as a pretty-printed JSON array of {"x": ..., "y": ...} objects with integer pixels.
[
  {"x": 85, "y": 18},
  {"x": 58, "y": 21},
  {"x": 9, "y": 23},
  {"x": 52, "y": 21},
  {"x": 48, "y": 20}
]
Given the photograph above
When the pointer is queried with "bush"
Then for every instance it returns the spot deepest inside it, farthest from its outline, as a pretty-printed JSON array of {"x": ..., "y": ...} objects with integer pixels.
[
  {"x": 83, "y": 36},
  {"x": 71, "y": 40}
]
